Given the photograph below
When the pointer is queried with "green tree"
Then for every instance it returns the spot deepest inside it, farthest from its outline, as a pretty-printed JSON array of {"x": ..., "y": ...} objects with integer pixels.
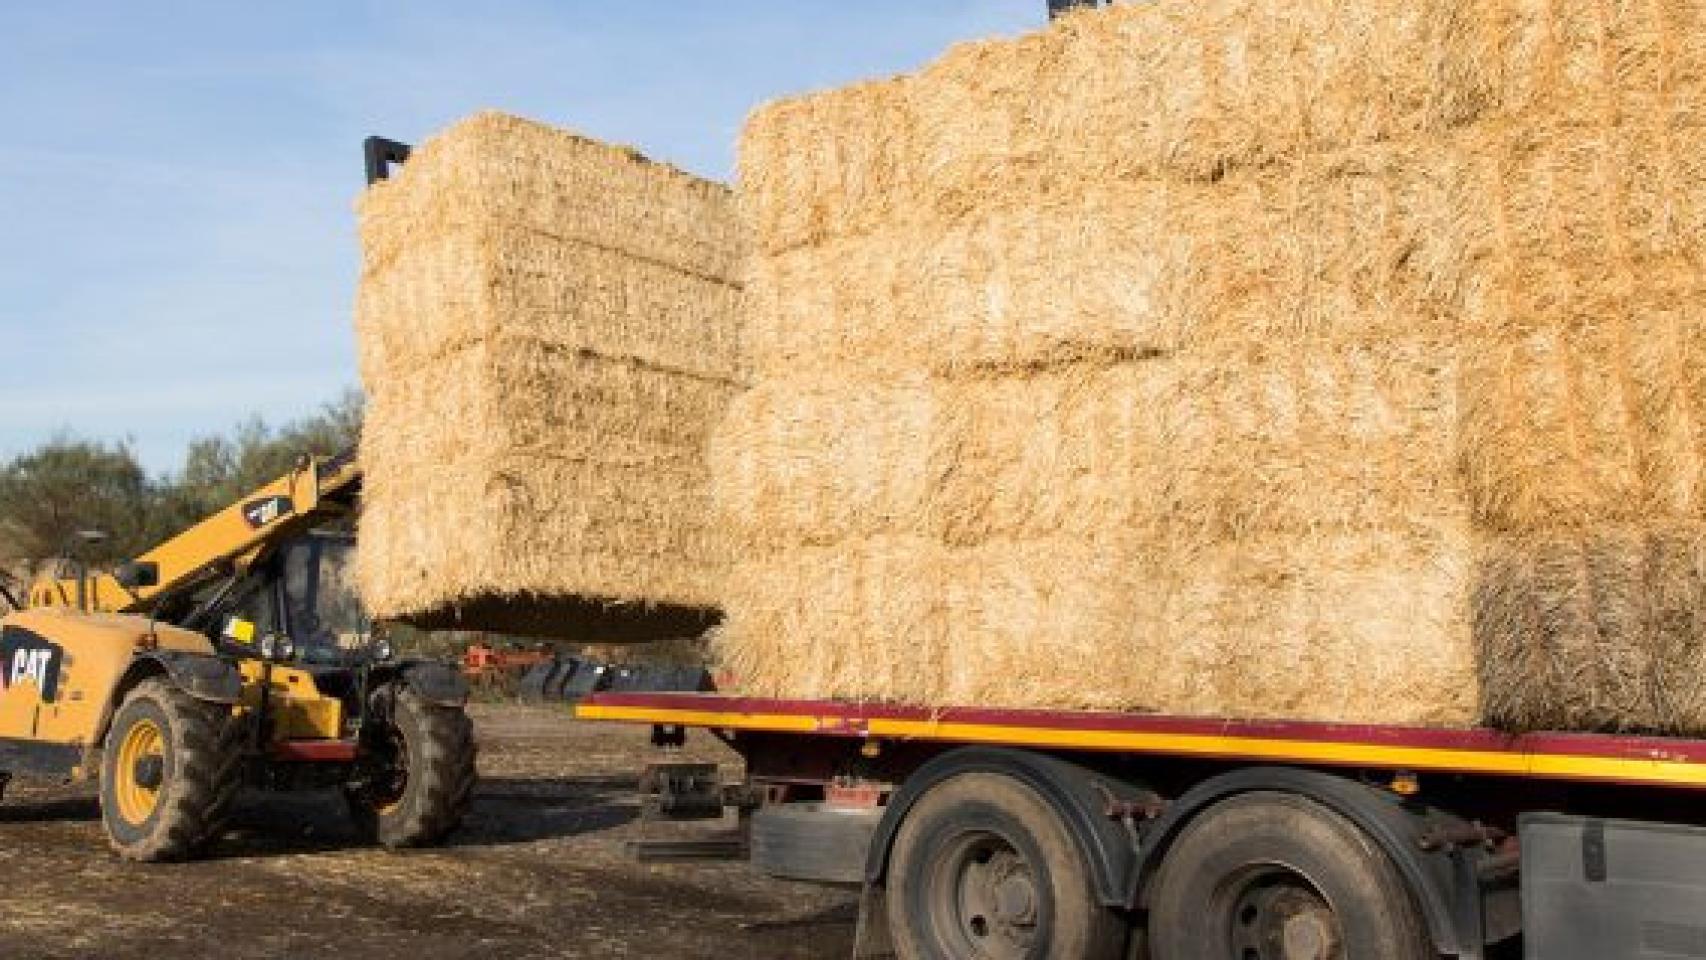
[
  {"x": 217, "y": 470},
  {"x": 65, "y": 486}
]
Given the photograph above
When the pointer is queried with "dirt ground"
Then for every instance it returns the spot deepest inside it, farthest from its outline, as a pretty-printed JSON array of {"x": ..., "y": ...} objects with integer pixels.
[{"x": 539, "y": 870}]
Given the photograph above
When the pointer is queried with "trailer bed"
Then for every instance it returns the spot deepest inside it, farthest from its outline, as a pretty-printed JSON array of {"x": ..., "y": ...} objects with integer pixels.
[{"x": 1603, "y": 758}]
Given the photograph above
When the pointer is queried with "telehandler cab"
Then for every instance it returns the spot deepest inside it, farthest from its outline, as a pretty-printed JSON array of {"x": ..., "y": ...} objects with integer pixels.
[{"x": 233, "y": 654}]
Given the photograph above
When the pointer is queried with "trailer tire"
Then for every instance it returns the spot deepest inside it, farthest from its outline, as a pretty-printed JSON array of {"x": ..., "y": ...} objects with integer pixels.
[
  {"x": 983, "y": 867},
  {"x": 1275, "y": 874}
]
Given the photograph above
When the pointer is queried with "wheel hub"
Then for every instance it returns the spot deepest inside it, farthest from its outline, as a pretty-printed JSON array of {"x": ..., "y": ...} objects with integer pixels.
[
  {"x": 1016, "y": 899},
  {"x": 390, "y": 782},
  {"x": 149, "y": 771},
  {"x": 1308, "y": 936},
  {"x": 987, "y": 900},
  {"x": 140, "y": 769},
  {"x": 1284, "y": 919}
]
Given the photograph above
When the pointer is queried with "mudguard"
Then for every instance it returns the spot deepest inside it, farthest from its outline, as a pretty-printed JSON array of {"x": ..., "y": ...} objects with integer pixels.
[{"x": 201, "y": 676}]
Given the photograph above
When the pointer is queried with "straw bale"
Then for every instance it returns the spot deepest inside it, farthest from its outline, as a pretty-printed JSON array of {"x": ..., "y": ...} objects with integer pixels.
[
  {"x": 1188, "y": 456},
  {"x": 548, "y": 331},
  {"x": 812, "y": 167},
  {"x": 1023, "y": 282},
  {"x": 1367, "y": 243},
  {"x": 1194, "y": 90},
  {"x": 1586, "y": 424},
  {"x": 1301, "y": 359},
  {"x": 1191, "y": 463},
  {"x": 468, "y": 284},
  {"x": 814, "y": 461},
  {"x": 513, "y": 470},
  {"x": 1192, "y": 450},
  {"x": 857, "y": 619},
  {"x": 1550, "y": 218},
  {"x": 1137, "y": 91},
  {"x": 1594, "y": 630},
  {"x": 1601, "y": 61},
  {"x": 1341, "y": 249},
  {"x": 1198, "y": 451},
  {"x": 1245, "y": 630},
  {"x": 1361, "y": 628},
  {"x": 492, "y": 167},
  {"x": 536, "y": 398},
  {"x": 1581, "y": 284}
]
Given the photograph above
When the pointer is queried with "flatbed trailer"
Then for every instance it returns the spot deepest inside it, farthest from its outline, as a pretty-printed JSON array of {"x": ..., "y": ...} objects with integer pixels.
[{"x": 977, "y": 832}]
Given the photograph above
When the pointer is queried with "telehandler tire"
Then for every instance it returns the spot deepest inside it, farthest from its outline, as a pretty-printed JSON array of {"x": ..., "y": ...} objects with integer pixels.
[
  {"x": 170, "y": 768},
  {"x": 428, "y": 780}
]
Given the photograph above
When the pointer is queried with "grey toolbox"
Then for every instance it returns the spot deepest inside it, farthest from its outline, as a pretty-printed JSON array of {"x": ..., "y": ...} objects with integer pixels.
[{"x": 1597, "y": 889}]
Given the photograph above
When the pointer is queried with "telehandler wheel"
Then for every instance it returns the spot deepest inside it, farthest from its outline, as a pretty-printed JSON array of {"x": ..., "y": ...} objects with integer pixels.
[
  {"x": 425, "y": 778},
  {"x": 170, "y": 767}
]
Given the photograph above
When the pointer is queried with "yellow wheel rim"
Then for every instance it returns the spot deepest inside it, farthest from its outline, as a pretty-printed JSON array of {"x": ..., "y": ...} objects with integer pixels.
[{"x": 143, "y": 740}]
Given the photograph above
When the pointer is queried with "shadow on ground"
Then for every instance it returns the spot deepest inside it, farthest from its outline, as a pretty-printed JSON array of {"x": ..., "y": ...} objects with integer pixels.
[{"x": 505, "y": 810}]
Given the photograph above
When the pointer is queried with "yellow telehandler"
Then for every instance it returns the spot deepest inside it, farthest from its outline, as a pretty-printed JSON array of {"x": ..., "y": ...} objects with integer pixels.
[{"x": 233, "y": 654}]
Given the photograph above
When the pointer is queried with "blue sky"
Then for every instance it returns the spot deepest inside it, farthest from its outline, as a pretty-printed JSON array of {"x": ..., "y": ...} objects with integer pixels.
[{"x": 177, "y": 246}]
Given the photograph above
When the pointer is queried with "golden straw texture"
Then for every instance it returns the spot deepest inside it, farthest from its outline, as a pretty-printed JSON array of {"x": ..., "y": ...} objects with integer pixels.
[
  {"x": 548, "y": 332},
  {"x": 1291, "y": 358}
]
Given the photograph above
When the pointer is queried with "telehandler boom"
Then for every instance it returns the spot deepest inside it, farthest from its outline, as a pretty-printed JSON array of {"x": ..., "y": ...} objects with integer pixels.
[{"x": 316, "y": 492}]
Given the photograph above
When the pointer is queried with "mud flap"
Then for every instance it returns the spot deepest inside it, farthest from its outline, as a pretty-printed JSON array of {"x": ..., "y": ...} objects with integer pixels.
[
  {"x": 872, "y": 939},
  {"x": 812, "y": 841}
]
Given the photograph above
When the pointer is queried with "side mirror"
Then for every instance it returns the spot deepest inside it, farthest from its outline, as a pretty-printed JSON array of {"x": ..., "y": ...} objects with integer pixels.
[{"x": 133, "y": 575}]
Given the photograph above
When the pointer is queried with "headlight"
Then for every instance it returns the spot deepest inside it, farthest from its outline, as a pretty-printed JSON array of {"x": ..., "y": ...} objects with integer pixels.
[{"x": 383, "y": 650}]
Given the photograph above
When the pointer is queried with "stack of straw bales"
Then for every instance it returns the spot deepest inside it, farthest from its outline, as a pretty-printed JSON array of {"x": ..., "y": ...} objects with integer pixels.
[
  {"x": 1289, "y": 358},
  {"x": 548, "y": 332}
]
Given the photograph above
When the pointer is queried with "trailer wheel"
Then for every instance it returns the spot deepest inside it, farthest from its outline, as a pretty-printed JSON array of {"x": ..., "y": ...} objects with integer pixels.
[
  {"x": 1273, "y": 876},
  {"x": 983, "y": 867}
]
